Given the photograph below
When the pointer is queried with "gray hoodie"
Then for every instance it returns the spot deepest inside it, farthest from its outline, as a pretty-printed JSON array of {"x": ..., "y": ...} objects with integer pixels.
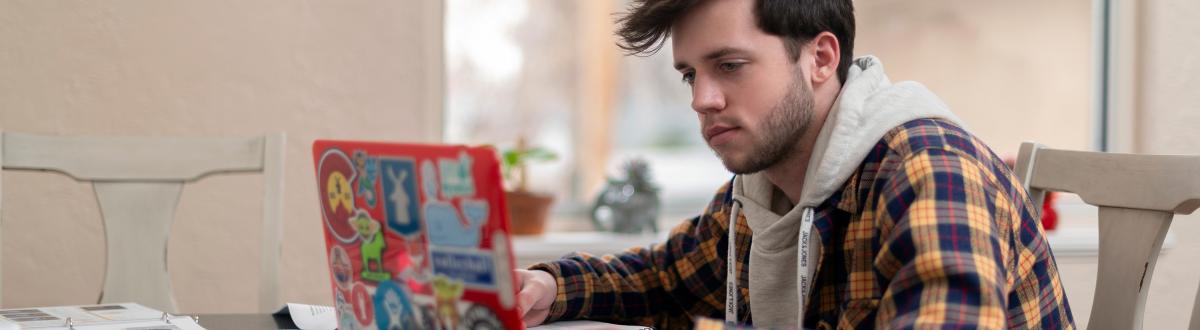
[{"x": 869, "y": 106}]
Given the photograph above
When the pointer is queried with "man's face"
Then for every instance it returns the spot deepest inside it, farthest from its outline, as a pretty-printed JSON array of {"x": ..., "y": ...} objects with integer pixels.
[{"x": 754, "y": 103}]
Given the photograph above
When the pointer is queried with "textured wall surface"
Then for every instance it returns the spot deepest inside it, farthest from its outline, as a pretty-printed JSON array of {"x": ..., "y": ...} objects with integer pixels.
[{"x": 314, "y": 69}]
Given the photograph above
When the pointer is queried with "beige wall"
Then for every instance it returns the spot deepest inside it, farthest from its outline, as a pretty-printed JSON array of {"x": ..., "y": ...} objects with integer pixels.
[
  {"x": 1011, "y": 73},
  {"x": 1166, "y": 121},
  {"x": 314, "y": 69}
]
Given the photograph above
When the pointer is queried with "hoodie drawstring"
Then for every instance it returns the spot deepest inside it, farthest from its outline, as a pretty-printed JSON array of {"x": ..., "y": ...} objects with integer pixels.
[
  {"x": 803, "y": 269},
  {"x": 731, "y": 284}
]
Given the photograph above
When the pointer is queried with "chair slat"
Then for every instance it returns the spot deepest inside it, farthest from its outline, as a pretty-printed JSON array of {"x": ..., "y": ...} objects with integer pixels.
[
  {"x": 1130, "y": 240},
  {"x": 1150, "y": 182},
  {"x": 136, "y": 236},
  {"x": 95, "y": 158}
]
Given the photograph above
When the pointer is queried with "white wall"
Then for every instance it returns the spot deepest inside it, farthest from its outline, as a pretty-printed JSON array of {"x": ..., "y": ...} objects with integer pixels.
[
  {"x": 314, "y": 69},
  {"x": 1167, "y": 122}
]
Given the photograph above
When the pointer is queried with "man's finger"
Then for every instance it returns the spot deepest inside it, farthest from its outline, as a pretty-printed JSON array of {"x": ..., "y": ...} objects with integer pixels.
[
  {"x": 525, "y": 300},
  {"x": 535, "y": 318}
]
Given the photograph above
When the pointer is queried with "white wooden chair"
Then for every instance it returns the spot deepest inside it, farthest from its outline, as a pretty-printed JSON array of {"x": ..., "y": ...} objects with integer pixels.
[
  {"x": 1138, "y": 195},
  {"x": 137, "y": 181}
]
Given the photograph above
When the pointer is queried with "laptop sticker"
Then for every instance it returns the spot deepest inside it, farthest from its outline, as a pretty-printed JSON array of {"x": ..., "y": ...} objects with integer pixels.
[
  {"x": 457, "y": 179},
  {"x": 367, "y": 167},
  {"x": 429, "y": 181},
  {"x": 447, "y": 229},
  {"x": 447, "y": 291},
  {"x": 335, "y": 174},
  {"x": 345, "y": 312},
  {"x": 396, "y": 311},
  {"x": 416, "y": 248},
  {"x": 475, "y": 268},
  {"x": 500, "y": 255},
  {"x": 343, "y": 271},
  {"x": 399, "y": 189},
  {"x": 364, "y": 305},
  {"x": 373, "y": 245}
]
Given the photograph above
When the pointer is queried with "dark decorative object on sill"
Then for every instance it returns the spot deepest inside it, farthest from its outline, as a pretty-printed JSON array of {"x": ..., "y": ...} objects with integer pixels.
[{"x": 629, "y": 205}]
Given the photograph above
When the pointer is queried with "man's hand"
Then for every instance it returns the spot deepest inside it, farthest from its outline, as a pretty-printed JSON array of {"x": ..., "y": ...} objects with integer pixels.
[{"x": 537, "y": 291}]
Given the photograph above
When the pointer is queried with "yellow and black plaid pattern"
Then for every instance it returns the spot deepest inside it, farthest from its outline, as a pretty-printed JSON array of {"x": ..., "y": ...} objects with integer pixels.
[{"x": 932, "y": 231}]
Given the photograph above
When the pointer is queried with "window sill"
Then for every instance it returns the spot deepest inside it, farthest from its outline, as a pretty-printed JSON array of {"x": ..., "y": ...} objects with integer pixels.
[{"x": 1077, "y": 237}]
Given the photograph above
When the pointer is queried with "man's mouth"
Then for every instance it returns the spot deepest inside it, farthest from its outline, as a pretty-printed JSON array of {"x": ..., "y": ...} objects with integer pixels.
[{"x": 715, "y": 133}]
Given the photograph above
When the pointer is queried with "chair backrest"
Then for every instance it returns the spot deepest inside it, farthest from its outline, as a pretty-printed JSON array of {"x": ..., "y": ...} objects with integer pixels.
[
  {"x": 137, "y": 181},
  {"x": 1137, "y": 195}
]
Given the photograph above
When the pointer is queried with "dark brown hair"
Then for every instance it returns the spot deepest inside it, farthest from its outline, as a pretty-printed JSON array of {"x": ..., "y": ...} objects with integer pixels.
[{"x": 646, "y": 26}]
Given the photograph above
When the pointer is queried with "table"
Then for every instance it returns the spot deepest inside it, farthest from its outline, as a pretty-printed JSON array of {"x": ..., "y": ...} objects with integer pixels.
[{"x": 244, "y": 322}]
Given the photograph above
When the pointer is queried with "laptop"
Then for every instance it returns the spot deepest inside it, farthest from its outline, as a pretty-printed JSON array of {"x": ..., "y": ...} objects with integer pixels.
[{"x": 417, "y": 236}]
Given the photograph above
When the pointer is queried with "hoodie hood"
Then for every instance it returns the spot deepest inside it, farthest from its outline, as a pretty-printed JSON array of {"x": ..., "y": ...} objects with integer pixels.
[{"x": 868, "y": 106}]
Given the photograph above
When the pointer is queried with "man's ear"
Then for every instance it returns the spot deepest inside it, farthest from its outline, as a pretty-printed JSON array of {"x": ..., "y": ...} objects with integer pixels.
[{"x": 826, "y": 54}]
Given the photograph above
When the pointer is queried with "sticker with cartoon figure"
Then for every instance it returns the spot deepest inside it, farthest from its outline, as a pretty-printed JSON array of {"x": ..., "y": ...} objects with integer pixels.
[
  {"x": 343, "y": 270},
  {"x": 447, "y": 292},
  {"x": 367, "y": 168},
  {"x": 457, "y": 179},
  {"x": 336, "y": 173},
  {"x": 399, "y": 191},
  {"x": 395, "y": 307},
  {"x": 372, "y": 247}
]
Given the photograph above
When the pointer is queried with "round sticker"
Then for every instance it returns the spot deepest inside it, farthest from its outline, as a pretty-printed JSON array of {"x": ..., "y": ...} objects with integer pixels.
[
  {"x": 343, "y": 271},
  {"x": 396, "y": 307},
  {"x": 337, "y": 195}
]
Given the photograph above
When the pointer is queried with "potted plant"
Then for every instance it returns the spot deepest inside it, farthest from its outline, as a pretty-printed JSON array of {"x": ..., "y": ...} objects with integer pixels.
[{"x": 527, "y": 210}]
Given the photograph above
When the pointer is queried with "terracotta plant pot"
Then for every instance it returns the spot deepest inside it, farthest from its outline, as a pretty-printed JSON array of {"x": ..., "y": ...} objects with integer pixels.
[{"x": 528, "y": 211}]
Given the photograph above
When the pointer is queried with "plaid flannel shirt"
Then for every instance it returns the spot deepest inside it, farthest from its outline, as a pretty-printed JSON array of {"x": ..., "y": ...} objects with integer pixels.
[{"x": 931, "y": 231}]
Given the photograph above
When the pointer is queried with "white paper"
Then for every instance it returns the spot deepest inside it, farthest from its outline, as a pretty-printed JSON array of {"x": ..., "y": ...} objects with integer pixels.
[
  {"x": 312, "y": 317},
  {"x": 177, "y": 323},
  {"x": 586, "y": 325},
  {"x": 94, "y": 317}
]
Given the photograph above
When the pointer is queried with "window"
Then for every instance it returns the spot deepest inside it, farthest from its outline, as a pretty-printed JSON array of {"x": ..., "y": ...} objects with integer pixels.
[{"x": 548, "y": 70}]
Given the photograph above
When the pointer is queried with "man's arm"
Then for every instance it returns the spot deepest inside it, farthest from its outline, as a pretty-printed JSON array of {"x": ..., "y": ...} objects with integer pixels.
[
  {"x": 943, "y": 243},
  {"x": 661, "y": 284}
]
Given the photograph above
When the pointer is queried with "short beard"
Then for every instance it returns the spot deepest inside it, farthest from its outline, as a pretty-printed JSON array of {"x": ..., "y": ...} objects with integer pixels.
[{"x": 782, "y": 128}]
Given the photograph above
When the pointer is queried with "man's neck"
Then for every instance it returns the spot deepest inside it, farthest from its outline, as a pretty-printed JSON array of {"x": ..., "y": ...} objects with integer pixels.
[{"x": 789, "y": 174}]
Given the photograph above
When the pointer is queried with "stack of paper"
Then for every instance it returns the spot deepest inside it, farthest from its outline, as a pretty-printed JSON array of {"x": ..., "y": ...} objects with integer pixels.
[{"x": 94, "y": 317}]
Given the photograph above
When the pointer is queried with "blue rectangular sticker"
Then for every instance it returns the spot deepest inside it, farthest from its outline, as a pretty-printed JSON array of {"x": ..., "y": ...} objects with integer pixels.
[{"x": 474, "y": 269}]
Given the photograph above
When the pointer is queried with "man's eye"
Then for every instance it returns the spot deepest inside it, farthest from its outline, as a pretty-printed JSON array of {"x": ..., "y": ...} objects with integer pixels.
[
  {"x": 689, "y": 78},
  {"x": 729, "y": 67}
]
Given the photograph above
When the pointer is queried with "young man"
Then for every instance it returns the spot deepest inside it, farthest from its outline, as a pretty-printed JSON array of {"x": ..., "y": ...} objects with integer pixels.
[{"x": 857, "y": 203}]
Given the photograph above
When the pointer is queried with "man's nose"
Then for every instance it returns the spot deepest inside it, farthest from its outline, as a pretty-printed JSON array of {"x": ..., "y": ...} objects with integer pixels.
[{"x": 707, "y": 97}]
